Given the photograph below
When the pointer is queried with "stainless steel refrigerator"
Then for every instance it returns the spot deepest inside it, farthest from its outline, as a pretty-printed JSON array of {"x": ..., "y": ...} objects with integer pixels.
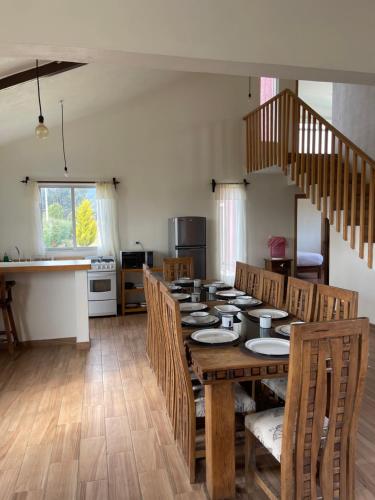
[{"x": 187, "y": 238}]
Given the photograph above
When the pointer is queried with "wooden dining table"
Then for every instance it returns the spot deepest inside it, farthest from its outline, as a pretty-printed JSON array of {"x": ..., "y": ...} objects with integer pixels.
[{"x": 218, "y": 368}]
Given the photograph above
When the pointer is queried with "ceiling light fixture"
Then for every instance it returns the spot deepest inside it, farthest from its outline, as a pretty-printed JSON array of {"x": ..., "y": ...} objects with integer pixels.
[
  {"x": 66, "y": 173},
  {"x": 41, "y": 131}
]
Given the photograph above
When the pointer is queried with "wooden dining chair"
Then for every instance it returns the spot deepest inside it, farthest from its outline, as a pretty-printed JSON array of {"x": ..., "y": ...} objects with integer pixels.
[
  {"x": 273, "y": 288},
  {"x": 314, "y": 436},
  {"x": 185, "y": 405},
  {"x": 335, "y": 303},
  {"x": 240, "y": 276},
  {"x": 299, "y": 298},
  {"x": 178, "y": 267},
  {"x": 254, "y": 281}
]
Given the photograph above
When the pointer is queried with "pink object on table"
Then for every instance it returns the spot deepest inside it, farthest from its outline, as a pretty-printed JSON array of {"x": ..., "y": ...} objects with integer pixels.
[{"x": 277, "y": 246}]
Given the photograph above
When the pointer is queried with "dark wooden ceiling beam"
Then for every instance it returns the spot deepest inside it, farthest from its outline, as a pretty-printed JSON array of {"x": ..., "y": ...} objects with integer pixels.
[{"x": 49, "y": 69}]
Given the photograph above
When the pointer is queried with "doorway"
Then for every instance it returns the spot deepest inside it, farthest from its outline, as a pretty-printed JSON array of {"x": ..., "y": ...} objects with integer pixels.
[{"x": 311, "y": 242}]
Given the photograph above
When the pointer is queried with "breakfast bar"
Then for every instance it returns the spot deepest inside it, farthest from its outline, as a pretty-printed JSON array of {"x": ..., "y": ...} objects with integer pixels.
[{"x": 50, "y": 300}]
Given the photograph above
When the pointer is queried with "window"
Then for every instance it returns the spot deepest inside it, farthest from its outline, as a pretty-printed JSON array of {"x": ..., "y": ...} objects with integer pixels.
[
  {"x": 68, "y": 216},
  {"x": 269, "y": 87},
  {"x": 231, "y": 208}
]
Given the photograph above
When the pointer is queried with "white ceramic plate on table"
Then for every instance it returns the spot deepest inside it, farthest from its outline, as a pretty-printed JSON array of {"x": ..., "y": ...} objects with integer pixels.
[
  {"x": 285, "y": 329},
  {"x": 192, "y": 306},
  {"x": 174, "y": 288},
  {"x": 193, "y": 319},
  {"x": 245, "y": 301},
  {"x": 268, "y": 346},
  {"x": 183, "y": 281},
  {"x": 217, "y": 284},
  {"x": 181, "y": 296},
  {"x": 230, "y": 294},
  {"x": 274, "y": 313},
  {"x": 227, "y": 309},
  {"x": 215, "y": 336}
]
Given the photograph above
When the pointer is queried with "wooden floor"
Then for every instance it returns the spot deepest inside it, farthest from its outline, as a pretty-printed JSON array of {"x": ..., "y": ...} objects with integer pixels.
[{"x": 92, "y": 425}]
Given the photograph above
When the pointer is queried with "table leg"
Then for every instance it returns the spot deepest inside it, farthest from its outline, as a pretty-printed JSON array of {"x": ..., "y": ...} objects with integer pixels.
[{"x": 220, "y": 441}]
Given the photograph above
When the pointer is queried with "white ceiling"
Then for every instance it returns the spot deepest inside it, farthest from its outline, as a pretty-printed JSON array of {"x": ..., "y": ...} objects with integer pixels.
[
  {"x": 85, "y": 90},
  {"x": 11, "y": 65}
]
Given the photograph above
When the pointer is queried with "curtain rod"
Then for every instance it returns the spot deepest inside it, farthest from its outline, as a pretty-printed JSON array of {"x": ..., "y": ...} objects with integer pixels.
[
  {"x": 214, "y": 183},
  {"x": 27, "y": 179}
]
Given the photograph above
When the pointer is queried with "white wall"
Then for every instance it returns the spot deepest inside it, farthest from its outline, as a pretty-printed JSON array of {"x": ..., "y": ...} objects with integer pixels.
[
  {"x": 164, "y": 148},
  {"x": 309, "y": 224},
  {"x": 354, "y": 115},
  {"x": 270, "y": 203}
]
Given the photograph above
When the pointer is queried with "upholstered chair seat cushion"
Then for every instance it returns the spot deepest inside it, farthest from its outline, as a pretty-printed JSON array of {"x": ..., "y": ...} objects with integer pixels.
[
  {"x": 277, "y": 385},
  {"x": 243, "y": 402}
]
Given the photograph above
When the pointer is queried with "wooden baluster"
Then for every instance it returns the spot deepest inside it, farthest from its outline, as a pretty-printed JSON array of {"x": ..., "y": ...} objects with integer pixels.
[
  {"x": 353, "y": 205},
  {"x": 264, "y": 164},
  {"x": 269, "y": 118},
  {"x": 294, "y": 140},
  {"x": 362, "y": 208},
  {"x": 308, "y": 156},
  {"x": 298, "y": 146},
  {"x": 332, "y": 181},
  {"x": 257, "y": 126},
  {"x": 253, "y": 140},
  {"x": 319, "y": 176},
  {"x": 279, "y": 132},
  {"x": 371, "y": 217},
  {"x": 276, "y": 131},
  {"x": 303, "y": 152},
  {"x": 271, "y": 133},
  {"x": 346, "y": 193},
  {"x": 325, "y": 173},
  {"x": 339, "y": 186},
  {"x": 286, "y": 132},
  {"x": 313, "y": 162}
]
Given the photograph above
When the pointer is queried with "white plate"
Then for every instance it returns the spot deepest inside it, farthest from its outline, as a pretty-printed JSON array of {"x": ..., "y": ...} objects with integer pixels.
[
  {"x": 268, "y": 346},
  {"x": 214, "y": 336},
  {"x": 227, "y": 309},
  {"x": 250, "y": 301},
  {"x": 285, "y": 329},
  {"x": 200, "y": 320},
  {"x": 183, "y": 281},
  {"x": 217, "y": 284},
  {"x": 232, "y": 293},
  {"x": 181, "y": 296},
  {"x": 192, "y": 306},
  {"x": 174, "y": 288},
  {"x": 275, "y": 313}
]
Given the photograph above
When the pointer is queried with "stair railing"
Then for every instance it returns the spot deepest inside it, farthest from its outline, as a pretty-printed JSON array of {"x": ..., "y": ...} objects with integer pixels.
[{"x": 333, "y": 172}]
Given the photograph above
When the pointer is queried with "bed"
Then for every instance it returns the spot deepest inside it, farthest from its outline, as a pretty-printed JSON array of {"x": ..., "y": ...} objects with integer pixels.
[{"x": 310, "y": 262}]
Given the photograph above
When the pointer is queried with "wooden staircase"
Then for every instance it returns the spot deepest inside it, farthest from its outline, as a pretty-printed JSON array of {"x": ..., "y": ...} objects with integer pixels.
[{"x": 333, "y": 172}]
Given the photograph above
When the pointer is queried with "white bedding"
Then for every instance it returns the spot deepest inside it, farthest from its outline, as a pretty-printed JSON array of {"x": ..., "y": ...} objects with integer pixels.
[{"x": 305, "y": 259}]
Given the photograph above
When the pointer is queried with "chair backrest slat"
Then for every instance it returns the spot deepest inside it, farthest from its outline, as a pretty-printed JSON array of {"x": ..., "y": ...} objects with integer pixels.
[
  {"x": 273, "y": 288},
  {"x": 335, "y": 303},
  {"x": 327, "y": 370},
  {"x": 240, "y": 276},
  {"x": 299, "y": 298},
  {"x": 254, "y": 281},
  {"x": 178, "y": 267}
]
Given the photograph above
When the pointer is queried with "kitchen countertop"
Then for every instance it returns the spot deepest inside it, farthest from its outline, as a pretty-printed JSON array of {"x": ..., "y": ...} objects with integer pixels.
[{"x": 45, "y": 266}]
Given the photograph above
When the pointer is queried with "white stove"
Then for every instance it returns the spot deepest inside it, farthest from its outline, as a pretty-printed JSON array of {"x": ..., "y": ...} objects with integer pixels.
[{"x": 101, "y": 286}]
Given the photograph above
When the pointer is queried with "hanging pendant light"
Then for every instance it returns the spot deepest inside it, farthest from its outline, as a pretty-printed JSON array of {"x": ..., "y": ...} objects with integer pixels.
[
  {"x": 66, "y": 173},
  {"x": 41, "y": 131}
]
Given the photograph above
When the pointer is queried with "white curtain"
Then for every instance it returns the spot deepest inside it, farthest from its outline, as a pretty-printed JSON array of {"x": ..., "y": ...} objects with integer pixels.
[
  {"x": 38, "y": 248},
  {"x": 106, "y": 213},
  {"x": 231, "y": 217}
]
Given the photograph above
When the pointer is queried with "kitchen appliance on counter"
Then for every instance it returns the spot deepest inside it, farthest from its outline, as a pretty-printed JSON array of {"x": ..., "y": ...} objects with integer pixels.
[
  {"x": 187, "y": 238},
  {"x": 101, "y": 286},
  {"x": 135, "y": 260}
]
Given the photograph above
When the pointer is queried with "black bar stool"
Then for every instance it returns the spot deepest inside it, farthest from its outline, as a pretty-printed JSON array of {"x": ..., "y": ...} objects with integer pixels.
[{"x": 9, "y": 334}]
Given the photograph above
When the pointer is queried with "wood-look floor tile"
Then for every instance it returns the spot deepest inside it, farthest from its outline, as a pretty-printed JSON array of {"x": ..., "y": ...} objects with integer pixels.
[
  {"x": 162, "y": 426},
  {"x": 147, "y": 451},
  {"x": 66, "y": 443},
  {"x": 114, "y": 403},
  {"x": 154, "y": 396},
  {"x": 112, "y": 380},
  {"x": 92, "y": 459},
  {"x": 123, "y": 477},
  {"x": 8, "y": 480},
  {"x": 133, "y": 389},
  {"x": 92, "y": 421},
  {"x": 128, "y": 369},
  {"x": 139, "y": 415},
  {"x": 34, "y": 469},
  {"x": 62, "y": 481},
  {"x": 118, "y": 435},
  {"x": 93, "y": 393},
  {"x": 71, "y": 410},
  {"x": 94, "y": 490},
  {"x": 177, "y": 470},
  {"x": 155, "y": 485},
  {"x": 44, "y": 428}
]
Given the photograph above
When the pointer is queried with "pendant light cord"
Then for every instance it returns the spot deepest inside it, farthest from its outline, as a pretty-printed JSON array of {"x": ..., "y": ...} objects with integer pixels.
[
  {"x": 62, "y": 134},
  {"x": 37, "y": 82}
]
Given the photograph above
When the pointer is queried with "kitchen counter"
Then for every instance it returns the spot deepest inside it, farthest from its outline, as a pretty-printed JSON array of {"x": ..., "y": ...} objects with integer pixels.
[
  {"x": 44, "y": 266},
  {"x": 50, "y": 302}
]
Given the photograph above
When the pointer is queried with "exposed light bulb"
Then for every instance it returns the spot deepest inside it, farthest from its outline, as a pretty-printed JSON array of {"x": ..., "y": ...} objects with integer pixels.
[{"x": 41, "y": 131}]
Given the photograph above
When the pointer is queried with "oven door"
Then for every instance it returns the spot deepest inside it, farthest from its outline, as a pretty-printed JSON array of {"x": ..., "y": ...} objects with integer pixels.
[{"x": 101, "y": 285}]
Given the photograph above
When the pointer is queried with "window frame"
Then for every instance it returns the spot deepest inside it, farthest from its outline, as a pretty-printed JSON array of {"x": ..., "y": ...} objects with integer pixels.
[{"x": 71, "y": 186}]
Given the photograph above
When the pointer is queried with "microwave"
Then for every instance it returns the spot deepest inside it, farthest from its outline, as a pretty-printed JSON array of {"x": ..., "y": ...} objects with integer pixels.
[{"x": 135, "y": 260}]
